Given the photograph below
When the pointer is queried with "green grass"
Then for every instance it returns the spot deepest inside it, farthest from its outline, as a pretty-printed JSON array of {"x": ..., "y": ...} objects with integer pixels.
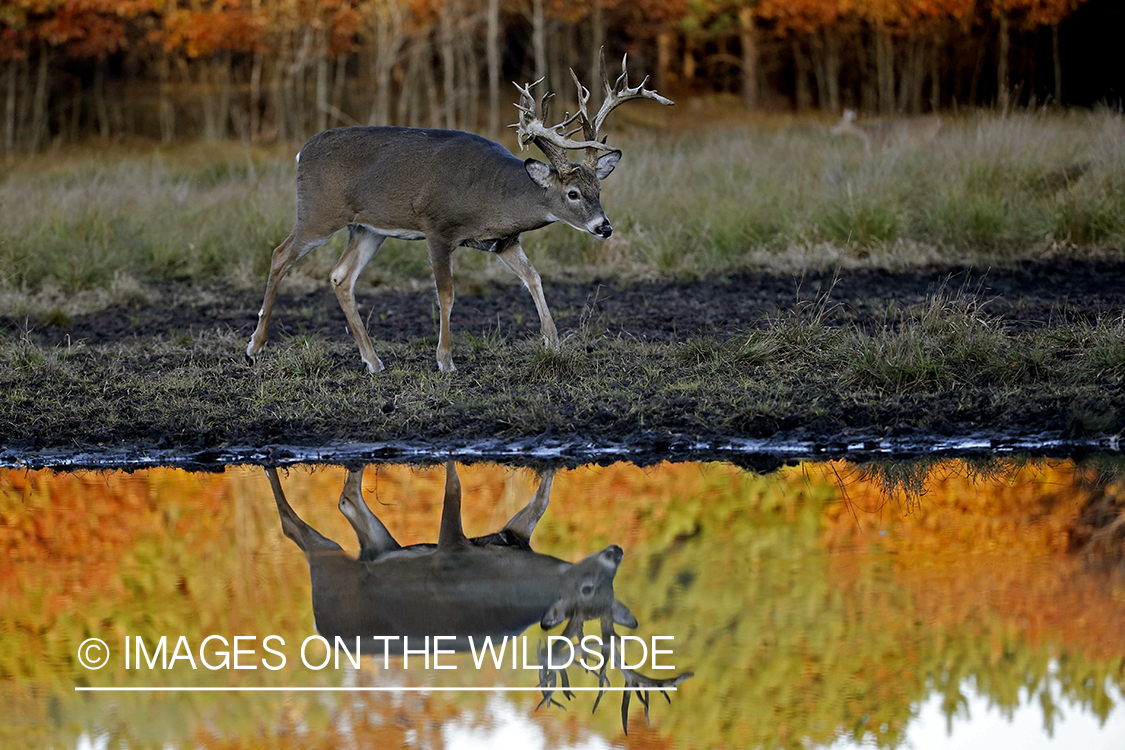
[{"x": 766, "y": 192}]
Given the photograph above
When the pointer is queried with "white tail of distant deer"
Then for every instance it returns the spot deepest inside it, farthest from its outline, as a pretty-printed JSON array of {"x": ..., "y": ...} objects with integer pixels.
[
  {"x": 889, "y": 133},
  {"x": 451, "y": 188},
  {"x": 460, "y": 588}
]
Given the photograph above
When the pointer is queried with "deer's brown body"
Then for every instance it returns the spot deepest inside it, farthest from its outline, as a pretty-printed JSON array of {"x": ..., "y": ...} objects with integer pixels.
[{"x": 450, "y": 188}]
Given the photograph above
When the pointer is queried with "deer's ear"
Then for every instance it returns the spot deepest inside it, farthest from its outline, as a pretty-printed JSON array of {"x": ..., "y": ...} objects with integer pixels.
[
  {"x": 555, "y": 615},
  {"x": 622, "y": 616},
  {"x": 539, "y": 172},
  {"x": 606, "y": 163}
]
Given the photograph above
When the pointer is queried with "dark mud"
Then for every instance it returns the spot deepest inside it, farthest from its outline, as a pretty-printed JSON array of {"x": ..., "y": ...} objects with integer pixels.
[{"x": 1026, "y": 296}]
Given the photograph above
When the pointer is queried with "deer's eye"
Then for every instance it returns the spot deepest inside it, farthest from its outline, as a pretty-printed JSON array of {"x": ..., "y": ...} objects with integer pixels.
[{"x": 573, "y": 195}]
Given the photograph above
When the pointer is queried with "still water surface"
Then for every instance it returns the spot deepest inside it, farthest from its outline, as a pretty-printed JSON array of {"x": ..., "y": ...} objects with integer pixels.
[{"x": 826, "y": 605}]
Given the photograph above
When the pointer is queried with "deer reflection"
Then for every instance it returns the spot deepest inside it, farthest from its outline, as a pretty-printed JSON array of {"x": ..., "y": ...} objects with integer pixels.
[{"x": 488, "y": 586}]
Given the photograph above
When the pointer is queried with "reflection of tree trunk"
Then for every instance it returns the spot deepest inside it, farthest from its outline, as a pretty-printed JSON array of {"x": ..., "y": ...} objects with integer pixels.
[
  {"x": 493, "y": 48},
  {"x": 1057, "y": 59},
  {"x": 748, "y": 38},
  {"x": 1002, "y": 64}
]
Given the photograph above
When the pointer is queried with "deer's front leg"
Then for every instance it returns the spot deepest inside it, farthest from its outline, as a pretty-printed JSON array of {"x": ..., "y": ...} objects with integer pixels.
[
  {"x": 515, "y": 259},
  {"x": 440, "y": 257}
]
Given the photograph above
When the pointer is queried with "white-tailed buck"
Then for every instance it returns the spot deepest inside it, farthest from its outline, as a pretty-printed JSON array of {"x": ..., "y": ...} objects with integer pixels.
[
  {"x": 453, "y": 189},
  {"x": 889, "y": 133},
  {"x": 491, "y": 586}
]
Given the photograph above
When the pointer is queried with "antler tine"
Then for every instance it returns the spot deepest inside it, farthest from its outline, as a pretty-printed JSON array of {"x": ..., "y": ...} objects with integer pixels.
[
  {"x": 551, "y": 139},
  {"x": 583, "y": 100},
  {"x": 620, "y": 93}
]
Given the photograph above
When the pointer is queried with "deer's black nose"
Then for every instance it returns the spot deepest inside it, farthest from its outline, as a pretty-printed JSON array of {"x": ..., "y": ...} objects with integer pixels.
[{"x": 604, "y": 231}]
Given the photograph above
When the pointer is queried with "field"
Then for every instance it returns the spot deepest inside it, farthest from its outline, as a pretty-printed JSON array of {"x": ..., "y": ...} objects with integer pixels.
[{"x": 765, "y": 280}]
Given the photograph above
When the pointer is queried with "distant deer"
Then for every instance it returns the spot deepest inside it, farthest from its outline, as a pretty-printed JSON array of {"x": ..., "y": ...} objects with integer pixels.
[
  {"x": 493, "y": 585},
  {"x": 453, "y": 189},
  {"x": 889, "y": 133}
]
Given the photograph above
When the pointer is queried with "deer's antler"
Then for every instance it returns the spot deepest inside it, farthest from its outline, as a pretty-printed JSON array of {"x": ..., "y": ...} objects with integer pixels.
[
  {"x": 555, "y": 140},
  {"x": 552, "y": 140},
  {"x": 615, "y": 95},
  {"x": 550, "y": 679}
]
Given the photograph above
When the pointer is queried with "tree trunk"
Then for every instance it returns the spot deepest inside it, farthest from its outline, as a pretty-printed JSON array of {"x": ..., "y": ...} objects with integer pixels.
[
  {"x": 597, "y": 42},
  {"x": 826, "y": 63},
  {"x": 748, "y": 38},
  {"x": 322, "y": 110},
  {"x": 1002, "y": 64},
  {"x": 255, "y": 119},
  {"x": 885, "y": 69},
  {"x": 38, "y": 131},
  {"x": 935, "y": 71},
  {"x": 493, "y": 47},
  {"x": 687, "y": 70},
  {"x": 539, "y": 38},
  {"x": 801, "y": 66},
  {"x": 664, "y": 41},
  {"x": 1057, "y": 59},
  {"x": 10, "y": 109},
  {"x": 101, "y": 103}
]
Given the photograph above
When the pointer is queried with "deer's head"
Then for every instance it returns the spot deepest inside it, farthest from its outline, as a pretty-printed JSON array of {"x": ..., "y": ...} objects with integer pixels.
[{"x": 574, "y": 192}]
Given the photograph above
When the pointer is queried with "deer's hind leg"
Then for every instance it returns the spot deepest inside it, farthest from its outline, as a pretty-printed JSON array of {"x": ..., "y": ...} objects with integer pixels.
[
  {"x": 523, "y": 523},
  {"x": 306, "y": 537},
  {"x": 362, "y": 246}
]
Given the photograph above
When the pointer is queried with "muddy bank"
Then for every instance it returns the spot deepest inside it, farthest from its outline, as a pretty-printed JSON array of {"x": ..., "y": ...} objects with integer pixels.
[{"x": 644, "y": 373}]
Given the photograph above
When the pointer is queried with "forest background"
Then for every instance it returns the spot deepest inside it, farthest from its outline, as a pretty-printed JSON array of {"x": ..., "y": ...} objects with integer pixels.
[{"x": 276, "y": 70}]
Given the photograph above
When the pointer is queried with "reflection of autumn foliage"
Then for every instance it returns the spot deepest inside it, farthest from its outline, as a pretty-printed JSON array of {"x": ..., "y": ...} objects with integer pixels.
[
  {"x": 996, "y": 552},
  {"x": 808, "y": 604}
]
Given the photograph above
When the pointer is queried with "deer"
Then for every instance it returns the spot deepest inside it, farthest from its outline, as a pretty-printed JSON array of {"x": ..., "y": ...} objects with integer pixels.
[
  {"x": 893, "y": 132},
  {"x": 471, "y": 588},
  {"x": 453, "y": 189}
]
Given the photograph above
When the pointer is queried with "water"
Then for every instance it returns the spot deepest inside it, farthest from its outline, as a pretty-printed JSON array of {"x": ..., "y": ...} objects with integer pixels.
[{"x": 960, "y": 604}]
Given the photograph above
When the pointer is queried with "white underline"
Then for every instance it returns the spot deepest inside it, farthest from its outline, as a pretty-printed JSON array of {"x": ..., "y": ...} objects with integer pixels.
[{"x": 367, "y": 689}]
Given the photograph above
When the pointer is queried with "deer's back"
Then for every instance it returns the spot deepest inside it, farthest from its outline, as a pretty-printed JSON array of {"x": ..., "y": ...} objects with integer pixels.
[{"x": 401, "y": 178}]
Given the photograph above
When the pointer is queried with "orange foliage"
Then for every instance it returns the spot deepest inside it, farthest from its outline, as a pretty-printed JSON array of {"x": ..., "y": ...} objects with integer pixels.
[{"x": 974, "y": 550}]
